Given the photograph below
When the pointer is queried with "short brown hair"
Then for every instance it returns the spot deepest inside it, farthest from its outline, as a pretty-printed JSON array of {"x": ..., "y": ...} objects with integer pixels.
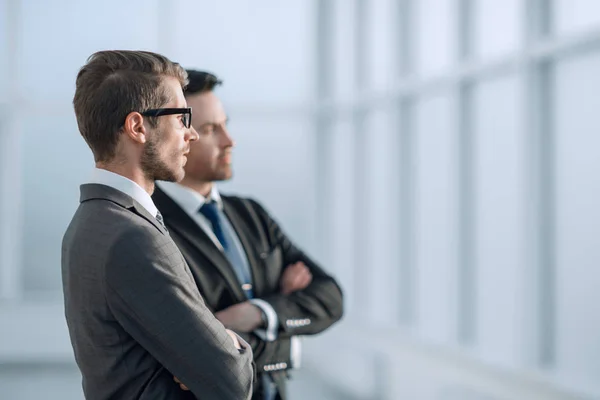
[
  {"x": 200, "y": 82},
  {"x": 113, "y": 84}
]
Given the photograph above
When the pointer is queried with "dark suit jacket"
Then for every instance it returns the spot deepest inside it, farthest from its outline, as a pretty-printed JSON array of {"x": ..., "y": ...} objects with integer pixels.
[
  {"x": 134, "y": 313},
  {"x": 269, "y": 251}
]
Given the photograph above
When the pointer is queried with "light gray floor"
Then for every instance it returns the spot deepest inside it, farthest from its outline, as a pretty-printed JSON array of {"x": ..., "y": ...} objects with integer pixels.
[
  {"x": 304, "y": 385},
  {"x": 51, "y": 382},
  {"x": 63, "y": 382}
]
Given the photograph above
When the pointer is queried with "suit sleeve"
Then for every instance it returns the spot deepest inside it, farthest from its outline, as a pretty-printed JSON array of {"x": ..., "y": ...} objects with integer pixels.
[
  {"x": 308, "y": 311},
  {"x": 269, "y": 353},
  {"x": 154, "y": 297}
]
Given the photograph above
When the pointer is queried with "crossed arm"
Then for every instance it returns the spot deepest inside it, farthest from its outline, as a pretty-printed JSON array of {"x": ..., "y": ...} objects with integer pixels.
[
  {"x": 247, "y": 317},
  {"x": 152, "y": 294}
]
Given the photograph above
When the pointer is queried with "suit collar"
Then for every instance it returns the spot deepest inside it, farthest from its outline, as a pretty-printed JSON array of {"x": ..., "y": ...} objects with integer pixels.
[
  {"x": 124, "y": 185},
  {"x": 93, "y": 191}
]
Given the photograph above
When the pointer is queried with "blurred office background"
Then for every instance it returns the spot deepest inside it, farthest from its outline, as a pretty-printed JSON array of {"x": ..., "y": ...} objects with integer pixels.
[{"x": 439, "y": 157}]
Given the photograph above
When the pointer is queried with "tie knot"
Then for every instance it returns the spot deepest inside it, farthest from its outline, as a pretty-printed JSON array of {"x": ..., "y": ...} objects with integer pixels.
[
  {"x": 210, "y": 210},
  {"x": 160, "y": 219}
]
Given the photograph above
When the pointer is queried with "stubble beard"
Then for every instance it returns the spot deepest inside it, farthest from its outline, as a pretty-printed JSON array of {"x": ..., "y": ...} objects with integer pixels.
[{"x": 155, "y": 169}]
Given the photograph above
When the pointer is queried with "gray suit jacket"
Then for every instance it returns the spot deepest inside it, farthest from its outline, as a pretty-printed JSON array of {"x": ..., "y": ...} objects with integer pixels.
[{"x": 134, "y": 313}]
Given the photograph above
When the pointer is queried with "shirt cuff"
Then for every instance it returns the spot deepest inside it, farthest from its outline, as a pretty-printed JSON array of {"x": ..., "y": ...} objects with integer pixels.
[
  {"x": 296, "y": 351},
  {"x": 270, "y": 333}
]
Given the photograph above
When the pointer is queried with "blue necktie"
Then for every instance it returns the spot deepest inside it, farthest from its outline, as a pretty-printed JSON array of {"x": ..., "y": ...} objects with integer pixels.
[
  {"x": 238, "y": 260},
  {"x": 225, "y": 236}
]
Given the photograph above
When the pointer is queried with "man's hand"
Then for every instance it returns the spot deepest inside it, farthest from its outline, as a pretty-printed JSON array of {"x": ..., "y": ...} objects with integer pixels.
[
  {"x": 234, "y": 337},
  {"x": 242, "y": 317},
  {"x": 181, "y": 385},
  {"x": 295, "y": 277}
]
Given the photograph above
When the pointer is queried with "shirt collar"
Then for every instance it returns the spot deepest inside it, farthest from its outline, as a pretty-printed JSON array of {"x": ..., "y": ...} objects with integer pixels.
[
  {"x": 125, "y": 185},
  {"x": 188, "y": 199}
]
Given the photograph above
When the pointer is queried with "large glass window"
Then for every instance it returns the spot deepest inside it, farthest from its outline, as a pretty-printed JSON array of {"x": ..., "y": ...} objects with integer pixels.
[
  {"x": 499, "y": 217},
  {"x": 498, "y": 27},
  {"x": 436, "y": 194},
  {"x": 436, "y": 36},
  {"x": 577, "y": 190},
  {"x": 575, "y": 16}
]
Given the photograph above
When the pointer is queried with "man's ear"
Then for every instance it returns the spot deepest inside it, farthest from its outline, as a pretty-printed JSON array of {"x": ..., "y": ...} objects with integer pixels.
[{"x": 134, "y": 127}]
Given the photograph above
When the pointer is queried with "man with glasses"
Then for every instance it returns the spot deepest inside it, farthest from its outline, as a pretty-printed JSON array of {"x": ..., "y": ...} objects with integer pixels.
[
  {"x": 255, "y": 279},
  {"x": 136, "y": 318}
]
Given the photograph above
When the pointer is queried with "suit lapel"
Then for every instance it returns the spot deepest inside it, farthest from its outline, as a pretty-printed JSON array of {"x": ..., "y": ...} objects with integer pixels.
[
  {"x": 245, "y": 238},
  {"x": 180, "y": 222}
]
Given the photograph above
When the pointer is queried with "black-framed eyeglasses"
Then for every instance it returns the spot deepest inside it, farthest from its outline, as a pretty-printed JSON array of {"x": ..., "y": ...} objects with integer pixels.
[{"x": 185, "y": 112}]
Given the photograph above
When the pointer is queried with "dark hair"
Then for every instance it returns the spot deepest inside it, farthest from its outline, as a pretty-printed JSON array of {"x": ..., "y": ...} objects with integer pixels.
[
  {"x": 113, "y": 84},
  {"x": 200, "y": 81}
]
